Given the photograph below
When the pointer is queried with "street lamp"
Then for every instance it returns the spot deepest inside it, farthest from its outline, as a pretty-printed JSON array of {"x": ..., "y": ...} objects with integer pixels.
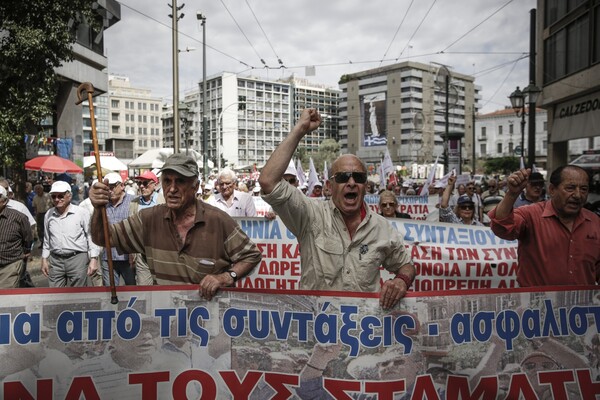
[
  {"x": 219, "y": 127},
  {"x": 183, "y": 117},
  {"x": 202, "y": 18},
  {"x": 518, "y": 99}
]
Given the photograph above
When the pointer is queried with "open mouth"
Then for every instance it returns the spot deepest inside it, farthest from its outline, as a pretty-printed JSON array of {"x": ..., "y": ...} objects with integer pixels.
[{"x": 351, "y": 196}]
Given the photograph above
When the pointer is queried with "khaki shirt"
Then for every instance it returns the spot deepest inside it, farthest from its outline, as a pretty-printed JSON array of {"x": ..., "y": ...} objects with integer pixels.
[{"x": 330, "y": 259}]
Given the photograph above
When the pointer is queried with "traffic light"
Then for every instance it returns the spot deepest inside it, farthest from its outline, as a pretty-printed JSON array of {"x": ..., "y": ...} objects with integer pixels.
[{"x": 241, "y": 102}]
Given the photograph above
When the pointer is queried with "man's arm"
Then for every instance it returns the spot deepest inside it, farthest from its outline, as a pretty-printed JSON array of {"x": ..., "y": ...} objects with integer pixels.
[
  {"x": 280, "y": 159},
  {"x": 448, "y": 192},
  {"x": 516, "y": 183},
  {"x": 99, "y": 195}
]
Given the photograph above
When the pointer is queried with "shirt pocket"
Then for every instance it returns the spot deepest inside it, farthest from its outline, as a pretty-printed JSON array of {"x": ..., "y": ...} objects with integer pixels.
[{"x": 329, "y": 257}]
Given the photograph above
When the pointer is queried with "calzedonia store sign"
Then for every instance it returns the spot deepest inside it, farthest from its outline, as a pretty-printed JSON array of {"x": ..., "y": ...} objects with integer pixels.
[{"x": 577, "y": 118}]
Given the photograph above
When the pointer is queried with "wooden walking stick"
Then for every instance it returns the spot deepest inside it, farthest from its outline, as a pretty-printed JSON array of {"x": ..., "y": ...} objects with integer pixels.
[{"x": 89, "y": 88}]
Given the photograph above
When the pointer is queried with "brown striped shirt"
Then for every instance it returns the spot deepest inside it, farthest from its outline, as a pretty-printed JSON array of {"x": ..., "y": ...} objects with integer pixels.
[
  {"x": 15, "y": 236},
  {"x": 212, "y": 245}
]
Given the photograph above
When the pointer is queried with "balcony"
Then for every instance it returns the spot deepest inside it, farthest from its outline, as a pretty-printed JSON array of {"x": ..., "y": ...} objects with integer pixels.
[{"x": 482, "y": 138}]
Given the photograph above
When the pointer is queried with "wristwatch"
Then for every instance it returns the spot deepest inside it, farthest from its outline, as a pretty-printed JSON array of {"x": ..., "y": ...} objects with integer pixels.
[{"x": 233, "y": 275}]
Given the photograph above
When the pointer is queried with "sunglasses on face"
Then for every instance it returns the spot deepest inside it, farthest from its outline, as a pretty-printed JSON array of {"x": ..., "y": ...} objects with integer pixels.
[
  {"x": 466, "y": 207},
  {"x": 113, "y": 186},
  {"x": 384, "y": 205},
  {"x": 344, "y": 177},
  {"x": 537, "y": 184},
  {"x": 57, "y": 196},
  {"x": 145, "y": 183}
]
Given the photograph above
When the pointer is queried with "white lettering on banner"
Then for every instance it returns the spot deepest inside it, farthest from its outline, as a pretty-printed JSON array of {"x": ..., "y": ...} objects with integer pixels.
[
  {"x": 253, "y": 341},
  {"x": 446, "y": 256}
]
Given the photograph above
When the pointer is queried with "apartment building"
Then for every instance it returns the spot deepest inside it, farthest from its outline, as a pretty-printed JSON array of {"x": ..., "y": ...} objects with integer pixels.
[{"x": 135, "y": 119}]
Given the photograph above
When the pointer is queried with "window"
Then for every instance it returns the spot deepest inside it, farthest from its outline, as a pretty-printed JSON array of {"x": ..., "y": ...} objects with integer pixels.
[
  {"x": 499, "y": 149},
  {"x": 511, "y": 129},
  {"x": 114, "y": 103},
  {"x": 482, "y": 149},
  {"x": 115, "y": 116},
  {"x": 500, "y": 129},
  {"x": 483, "y": 131}
]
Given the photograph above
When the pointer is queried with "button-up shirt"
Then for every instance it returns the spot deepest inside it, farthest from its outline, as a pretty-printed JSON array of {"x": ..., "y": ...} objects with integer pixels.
[
  {"x": 68, "y": 232},
  {"x": 241, "y": 206},
  {"x": 330, "y": 258},
  {"x": 550, "y": 254},
  {"x": 15, "y": 236}
]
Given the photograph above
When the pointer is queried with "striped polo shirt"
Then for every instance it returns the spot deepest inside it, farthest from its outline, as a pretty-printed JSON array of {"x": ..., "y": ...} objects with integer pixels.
[{"x": 212, "y": 245}]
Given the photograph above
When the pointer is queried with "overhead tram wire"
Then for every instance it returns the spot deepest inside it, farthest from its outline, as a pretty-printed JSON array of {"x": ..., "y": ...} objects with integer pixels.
[
  {"x": 266, "y": 37},
  {"x": 262, "y": 60},
  {"x": 417, "y": 29},
  {"x": 476, "y": 26},
  {"x": 395, "y": 34},
  {"x": 501, "y": 84},
  {"x": 187, "y": 36}
]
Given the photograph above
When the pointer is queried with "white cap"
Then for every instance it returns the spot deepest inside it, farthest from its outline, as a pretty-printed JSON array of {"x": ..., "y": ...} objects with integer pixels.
[
  {"x": 209, "y": 186},
  {"x": 291, "y": 170},
  {"x": 256, "y": 189},
  {"x": 439, "y": 185},
  {"x": 60, "y": 187},
  {"x": 3, "y": 192},
  {"x": 113, "y": 178}
]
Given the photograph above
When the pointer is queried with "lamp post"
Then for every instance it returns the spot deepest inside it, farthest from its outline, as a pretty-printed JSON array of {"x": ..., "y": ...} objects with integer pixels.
[
  {"x": 202, "y": 19},
  {"x": 219, "y": 129},
  {"x": 518, "y": 99},
  {"x": 183, "y": 117}
]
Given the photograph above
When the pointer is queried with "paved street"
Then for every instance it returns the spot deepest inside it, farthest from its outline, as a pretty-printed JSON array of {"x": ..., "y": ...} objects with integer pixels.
[{"x": 34, "y": 267}]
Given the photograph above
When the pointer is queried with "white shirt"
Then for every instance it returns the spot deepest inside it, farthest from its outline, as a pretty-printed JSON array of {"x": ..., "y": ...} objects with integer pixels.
[
  {"x": 241, "y": 206},
  {"x": 22, "y": 208}
]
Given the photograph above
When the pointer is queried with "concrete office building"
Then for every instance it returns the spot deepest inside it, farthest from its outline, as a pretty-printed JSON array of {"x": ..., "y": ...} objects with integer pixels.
[
  {"x": 88, "y": 65},
  {"x": 248, "y": 117},
  {"x": 401, "y": 107},
  {"x": 568, "y": 72}
]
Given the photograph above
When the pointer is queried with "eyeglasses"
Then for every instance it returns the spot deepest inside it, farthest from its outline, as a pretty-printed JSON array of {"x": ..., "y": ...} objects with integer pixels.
[
  {"x": 291, "y": 181},
  {"x": 58, "y": 196},
  {"x": 537, "y": 184},
  {"x": 145, "y": 183},
  {"x": 344, "y": 177},
  {"x": 384, "y": 205},
  {"x": 470, "y": 187},
  {"x": 466, "y": 207}
]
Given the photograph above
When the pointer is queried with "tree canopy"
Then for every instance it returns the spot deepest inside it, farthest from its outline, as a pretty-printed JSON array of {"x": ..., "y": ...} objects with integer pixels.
[{"x": 36, "y": 37}]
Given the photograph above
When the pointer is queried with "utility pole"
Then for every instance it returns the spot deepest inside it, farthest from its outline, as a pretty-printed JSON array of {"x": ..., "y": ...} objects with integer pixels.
[
  {"x": 175, "y": 33},
  {"x": 531, "y": 127},
  {"x": 202, "y": 19}
]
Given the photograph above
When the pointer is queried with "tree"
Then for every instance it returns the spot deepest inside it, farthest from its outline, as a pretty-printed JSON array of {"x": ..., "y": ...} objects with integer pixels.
[
  {"x": 329, "y": 150},
  {"x": 504, "y": 165},
  {"x": 35, "y": 38}
]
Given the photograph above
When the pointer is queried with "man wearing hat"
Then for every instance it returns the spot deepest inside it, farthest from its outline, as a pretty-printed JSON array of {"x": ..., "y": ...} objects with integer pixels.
[
  {"x": 185, "y": 240},
  {"x": 149, "y": 197},
  {"x": 533, "y": 192},
  {"x": 68, "y": 244},
  {"x": 15, "y": 243},
  {"x": 559, "y": 240},
  {"x": 117, "y": 209}
]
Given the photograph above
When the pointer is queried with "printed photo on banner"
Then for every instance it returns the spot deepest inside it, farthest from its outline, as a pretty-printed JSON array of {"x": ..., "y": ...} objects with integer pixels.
[{"x": 373, "y": 114}]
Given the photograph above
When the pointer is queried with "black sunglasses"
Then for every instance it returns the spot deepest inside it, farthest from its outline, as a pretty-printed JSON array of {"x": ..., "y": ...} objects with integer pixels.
[
  {"x": 291, "y": 181},
  {"x": 344, "y": 177}
]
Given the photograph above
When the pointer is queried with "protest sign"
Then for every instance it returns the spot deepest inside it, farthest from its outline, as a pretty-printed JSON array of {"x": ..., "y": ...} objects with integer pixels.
[
  {"x": 446, "y": 256},
  {"x": 165, "y": 342}
]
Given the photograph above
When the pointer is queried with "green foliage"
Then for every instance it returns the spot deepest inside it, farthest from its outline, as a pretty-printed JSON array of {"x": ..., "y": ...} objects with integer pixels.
[
  {"x": 329, "y": 150},
  {"x": 502, "y": 165},
  {"x": 35, "y": 38}
]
